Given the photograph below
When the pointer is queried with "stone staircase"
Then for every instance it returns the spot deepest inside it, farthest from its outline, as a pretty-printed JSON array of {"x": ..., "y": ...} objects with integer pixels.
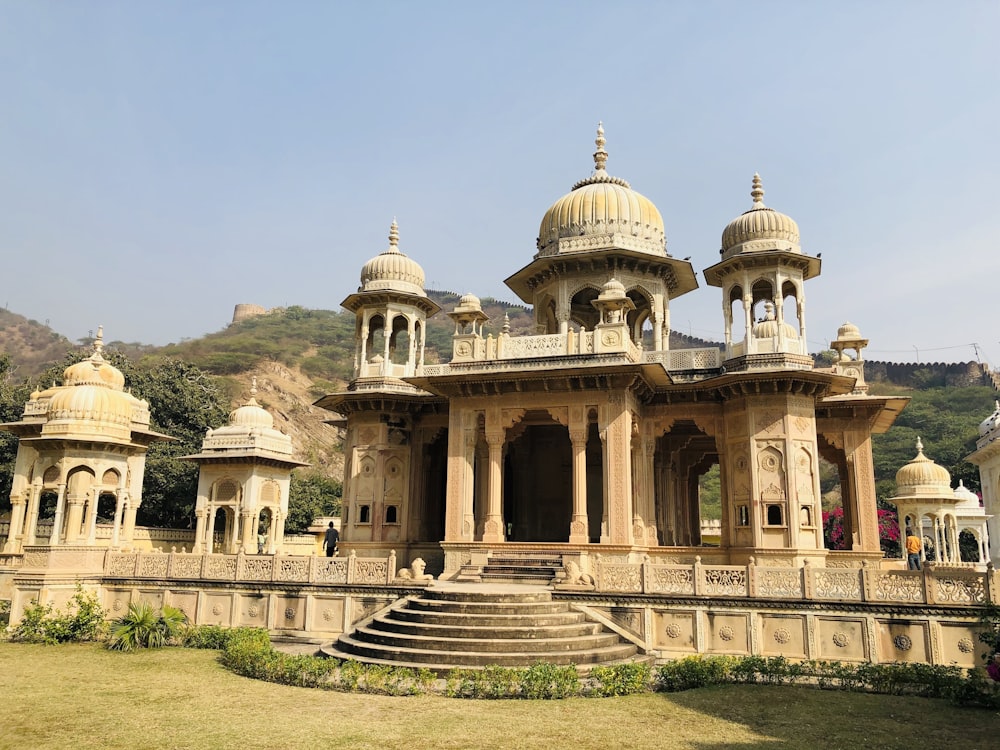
[
  {"x": 474, "y": 626},
  {"x": 515, "y": 567}
]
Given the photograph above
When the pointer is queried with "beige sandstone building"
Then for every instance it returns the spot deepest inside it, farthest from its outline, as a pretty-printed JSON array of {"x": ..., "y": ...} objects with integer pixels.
[
  {"x": 570, "y": 457},
  {"x": 590, "y": 436}
]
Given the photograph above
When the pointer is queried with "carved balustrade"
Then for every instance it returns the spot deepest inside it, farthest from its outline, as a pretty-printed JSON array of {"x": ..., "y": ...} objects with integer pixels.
[
  {"x": 933, "y": 585},
  {"x": 252, "y": 568}
]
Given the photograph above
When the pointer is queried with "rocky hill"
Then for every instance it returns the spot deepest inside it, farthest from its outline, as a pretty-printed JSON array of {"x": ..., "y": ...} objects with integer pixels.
[{"x": 298, "y": 355}]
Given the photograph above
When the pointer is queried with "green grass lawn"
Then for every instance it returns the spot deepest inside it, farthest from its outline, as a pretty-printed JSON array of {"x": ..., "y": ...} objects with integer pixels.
[{"x": 82, "y": 696}]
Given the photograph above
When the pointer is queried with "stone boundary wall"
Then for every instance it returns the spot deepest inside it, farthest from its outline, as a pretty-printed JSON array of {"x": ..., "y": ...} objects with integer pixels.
[{"x": 919, "y": 374}]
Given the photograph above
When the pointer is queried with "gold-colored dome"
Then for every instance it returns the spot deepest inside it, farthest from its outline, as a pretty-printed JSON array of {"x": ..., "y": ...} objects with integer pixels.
[
  {"x": 761, "y": 228},
  {"x": 601, "y": 206},
  {"x": 95, "y": 370},
  {"x": 392, "y": 271},
  {"x": 251, "y": 414},
  {"x": 922, "y": 476}
]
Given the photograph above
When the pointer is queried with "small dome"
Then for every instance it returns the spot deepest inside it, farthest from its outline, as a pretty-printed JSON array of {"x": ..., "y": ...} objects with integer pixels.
[
  {"x": 90, "y": 403},
  {"x": 764, "y": 227},
  {"x": 251, "y": 414},
  {"x": 95, "y": 370},
  {"x": 613, "y": 289},
  {"x": 469, "y": 302},
  {"x": 966, "y": 497},
  {"x": 767, "y": 328},
  {"x": 602, "y": 205},
  {"x": 923, "y": 475},
  {"x": 392, "y": 270},
  {"x": 848, "y": 332},
  {"x": 991, "y": 422}
]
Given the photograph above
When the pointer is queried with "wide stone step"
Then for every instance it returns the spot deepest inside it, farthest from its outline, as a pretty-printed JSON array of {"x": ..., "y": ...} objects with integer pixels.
[
  {"x": 350, "y": 648},
  {"x": 485, "y": 608},
  {"x": 474, "y": 629},
  {"x": 489, "y": 619},
  {"x": 469, "y": 595},
  {"x": 484, "y": 643}
]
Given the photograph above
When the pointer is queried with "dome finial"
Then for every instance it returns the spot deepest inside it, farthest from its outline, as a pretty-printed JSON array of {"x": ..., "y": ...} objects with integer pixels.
[
  {"x": 920, "y": 446},
  {"x": 253, "y": 386},
  {"x": 757, "y": 193},
  {"x": 600, "y": 156},
  {"x": 394, "y": 235},
  {"x": 99, "y": 341}
]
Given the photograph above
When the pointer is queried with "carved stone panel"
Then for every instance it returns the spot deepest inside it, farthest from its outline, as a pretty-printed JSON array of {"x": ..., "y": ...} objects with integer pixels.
[
  {"x": 783, "y": 636},
  {"x": 674, "y": 631}
]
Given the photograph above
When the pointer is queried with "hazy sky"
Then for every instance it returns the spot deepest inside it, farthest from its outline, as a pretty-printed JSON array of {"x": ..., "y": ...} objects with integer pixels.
[{"x": 162, "y": 161}]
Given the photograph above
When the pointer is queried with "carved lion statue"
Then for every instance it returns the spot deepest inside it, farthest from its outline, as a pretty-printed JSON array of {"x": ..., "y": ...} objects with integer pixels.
[
  {"x": 575, "y": 576},
  {"x": 415, "y": 572}
]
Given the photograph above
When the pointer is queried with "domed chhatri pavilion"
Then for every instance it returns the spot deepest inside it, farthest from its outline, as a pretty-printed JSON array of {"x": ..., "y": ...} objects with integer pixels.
[
  {"x": 590, "y": 436},
  {"x": 81, "y": 457}
]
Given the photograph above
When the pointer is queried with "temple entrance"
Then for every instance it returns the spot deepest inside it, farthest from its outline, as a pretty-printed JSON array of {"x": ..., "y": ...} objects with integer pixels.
[
  {"x": 538, "y": 483},
  {"x": 682, "y": 457}
]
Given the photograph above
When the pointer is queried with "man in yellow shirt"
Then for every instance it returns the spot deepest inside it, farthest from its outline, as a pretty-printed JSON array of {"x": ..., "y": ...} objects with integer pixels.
[{"x": 913, "y": 549}]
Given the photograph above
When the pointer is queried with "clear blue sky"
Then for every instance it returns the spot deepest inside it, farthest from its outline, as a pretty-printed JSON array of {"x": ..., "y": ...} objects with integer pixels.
[{"x": 162, "y": 161}]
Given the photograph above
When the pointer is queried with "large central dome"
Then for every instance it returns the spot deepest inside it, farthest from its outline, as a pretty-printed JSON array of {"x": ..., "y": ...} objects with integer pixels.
[{"x": 601, "y": 211}]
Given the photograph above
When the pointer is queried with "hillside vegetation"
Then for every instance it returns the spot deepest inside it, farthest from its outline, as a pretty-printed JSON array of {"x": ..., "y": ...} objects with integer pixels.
[{"x": 298, "y": 355}]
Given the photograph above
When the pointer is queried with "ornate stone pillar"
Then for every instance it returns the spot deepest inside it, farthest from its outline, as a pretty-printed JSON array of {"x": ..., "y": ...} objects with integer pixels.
[
  {"x": 247, "y": 540},
  {"x": 129, "y": 530},
  {"x": 18, "y": 506},
  {"x": 57, "y": 520},
  {"x": 578, "y": 523},
  {"x": 74, "y": 517},
  {"x": 117, "y": 525},
  {"x": 31, "y": 519},
  {"x": 199, "y": 531},
  {"x": 210, "y": 532},
  {"x": 618, "y": 469},
  {"x": 493, "y": 530}
]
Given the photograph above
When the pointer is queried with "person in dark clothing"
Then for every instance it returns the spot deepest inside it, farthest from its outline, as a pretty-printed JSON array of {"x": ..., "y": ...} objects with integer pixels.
[{"x": 330, "y": 540}]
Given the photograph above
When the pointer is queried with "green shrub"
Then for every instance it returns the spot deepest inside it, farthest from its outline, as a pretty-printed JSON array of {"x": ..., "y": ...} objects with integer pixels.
[
  {"x": 620, "y": 679},
  {"x": 4, "y": 613},
  {"x": 142, "y": 627},
  {"x": 549, "y": 681},
  {"x": 41, "y": 623},
  {"x": 693, "y": 672},
  {"x": 206, "y": 636}
]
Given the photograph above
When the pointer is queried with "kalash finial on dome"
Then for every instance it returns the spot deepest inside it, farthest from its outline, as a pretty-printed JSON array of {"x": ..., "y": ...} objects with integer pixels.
[
  {"x": 757, "y": 192},
  {"x": 600, "y": 156},
  {"x": 99, "y": 341},
  {"x": 393, "y": 237}
]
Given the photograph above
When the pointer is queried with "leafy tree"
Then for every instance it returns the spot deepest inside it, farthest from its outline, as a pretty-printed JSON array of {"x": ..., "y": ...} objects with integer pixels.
[{"x": 311, "y": 495}]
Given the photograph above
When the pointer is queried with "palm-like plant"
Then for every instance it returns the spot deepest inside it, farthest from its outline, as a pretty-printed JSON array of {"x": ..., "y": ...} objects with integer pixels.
[{"x": 142, "y": 627}]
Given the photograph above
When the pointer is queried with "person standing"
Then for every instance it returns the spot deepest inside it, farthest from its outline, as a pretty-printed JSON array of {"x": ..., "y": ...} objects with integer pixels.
[
  {"x": 331, "y": 539},
  {"x": 913, "y": 549}
]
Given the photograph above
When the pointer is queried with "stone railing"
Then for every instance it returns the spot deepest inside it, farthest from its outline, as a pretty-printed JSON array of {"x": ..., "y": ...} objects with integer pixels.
[
  {"x": 252, "y": 568},
  {"x": 933, "y": 585},
  {"x": 681, "y": 360}
]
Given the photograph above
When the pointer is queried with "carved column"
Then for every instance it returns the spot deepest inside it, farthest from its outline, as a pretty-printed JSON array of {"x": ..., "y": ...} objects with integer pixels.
[
  {"x": 74, "y": 517},
  {"x": 129, "y": 529},
  {"x": 493, "y": 527},
  {"x": 57, "y": 520},
  {"x": 578, "y": 522},
  {"x": 618, "y": 469},
  {"x": 17, "y": 508},
  {"x": 199, "y": 531},
  {"x": 31, "y": 519}
]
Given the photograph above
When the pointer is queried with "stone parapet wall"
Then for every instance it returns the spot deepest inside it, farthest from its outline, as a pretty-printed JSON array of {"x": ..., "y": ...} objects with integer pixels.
[{"x": 933, "y": 585}]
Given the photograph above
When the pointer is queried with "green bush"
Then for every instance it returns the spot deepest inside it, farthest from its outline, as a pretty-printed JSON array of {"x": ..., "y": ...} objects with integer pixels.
[
  {"x": 620, "y": 679},
  {"x": 142, "y": 627},
  {"x": 41, "y": 623},
  {"x": 4, "y": 612},
  {"x": 206, "y": 636}
]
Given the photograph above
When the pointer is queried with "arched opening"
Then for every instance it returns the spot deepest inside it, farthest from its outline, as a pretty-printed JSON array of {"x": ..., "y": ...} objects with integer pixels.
[
  {"x": 790, "y": 306},
  {"x": 537, "y": 491},
  {"x": 581, "y": 311},
  {"x": 399, "y": 342},
  {"x": 763, "y": 293},
  {"x": 683, "y": 464},
  {"x": 640, "y": 319},
  {"x": 435, "y": 477},
  {"x": 737, "y": 318},
  {"x": 47, "y": 502},
  {"x": 107, "y": 504},
  {"x": 220, "y": 535},
  {"x": 545, "y": 317},
  {"x": 968, "y": 546},
  {"x": 375, "y": 344}
]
